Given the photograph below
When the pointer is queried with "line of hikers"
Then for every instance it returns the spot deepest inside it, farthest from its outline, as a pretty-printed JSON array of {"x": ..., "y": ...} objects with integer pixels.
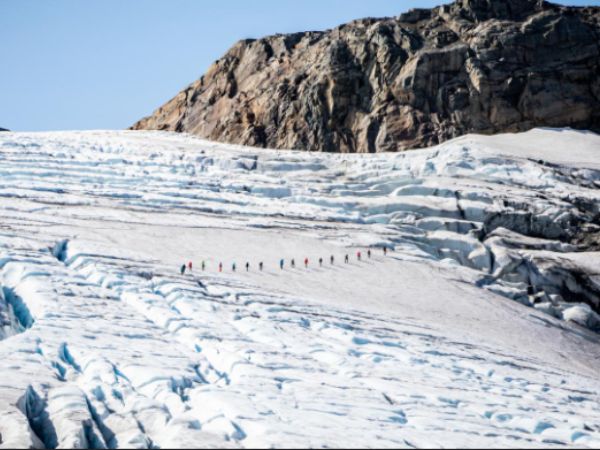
[{"x": 261, "y": 265}]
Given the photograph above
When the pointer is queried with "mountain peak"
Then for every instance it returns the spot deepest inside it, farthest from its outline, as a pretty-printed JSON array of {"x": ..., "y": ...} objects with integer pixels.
[
  {"x": 391, "y": 84},
  {"x": 481, "y": 10}
]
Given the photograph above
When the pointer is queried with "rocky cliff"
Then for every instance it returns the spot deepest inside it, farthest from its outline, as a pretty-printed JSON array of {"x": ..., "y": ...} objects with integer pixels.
[
  {"x": 4, "y": 129},
  {"x": 428, "y": 75}
]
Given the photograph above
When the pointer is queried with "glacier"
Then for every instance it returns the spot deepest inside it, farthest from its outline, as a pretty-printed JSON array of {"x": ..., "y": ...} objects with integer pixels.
[{"x": 479, "y": 328}]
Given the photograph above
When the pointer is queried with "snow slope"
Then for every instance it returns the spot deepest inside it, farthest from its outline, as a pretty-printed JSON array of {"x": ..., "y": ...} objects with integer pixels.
[{"x": 477, "y": 330}]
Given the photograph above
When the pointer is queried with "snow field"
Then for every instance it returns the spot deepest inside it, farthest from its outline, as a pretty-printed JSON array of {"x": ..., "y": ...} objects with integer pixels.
[{"x": 105, "y": 345}]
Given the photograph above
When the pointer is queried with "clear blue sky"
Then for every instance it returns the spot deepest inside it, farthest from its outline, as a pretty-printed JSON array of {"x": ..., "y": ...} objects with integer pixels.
[{"x": 103, "y": 64}]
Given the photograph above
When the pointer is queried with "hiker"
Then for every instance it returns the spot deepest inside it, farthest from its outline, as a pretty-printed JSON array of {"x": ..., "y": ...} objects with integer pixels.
[
  {"x": 203, "y": 266},
  {"x": 281, "y": 264},
  {"x": 260, "y": 266},
  {"x": 233, "y": 267},
  {"x": 320, "y": 262},
  {"x": 190, "y": 266},
  {"x": 359, "y": 256},
  {"x": 293, "y": 263},
  {"x": 332, "y": 259},
  {"x": 247, "y": 267},
  {"x": 306, "y": 263},
  {"x": 220, "y": 267},
  {"x": 347, "y": 259},
  {"x": 183, "y": 269},
  {"x": 369, "y": 253},
  {"x": 384, "y": 251}
]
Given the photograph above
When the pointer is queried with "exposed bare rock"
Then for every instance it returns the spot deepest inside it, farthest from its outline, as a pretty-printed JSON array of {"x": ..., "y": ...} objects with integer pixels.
[
  {"x": 374, "y": 85},
  {"x": 4, "y": 129}
]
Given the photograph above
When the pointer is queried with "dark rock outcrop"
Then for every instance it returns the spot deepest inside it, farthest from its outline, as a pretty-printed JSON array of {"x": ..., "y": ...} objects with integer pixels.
[
  {"x": 4, "y": 129},
  {"x": 428, "y": 75}
]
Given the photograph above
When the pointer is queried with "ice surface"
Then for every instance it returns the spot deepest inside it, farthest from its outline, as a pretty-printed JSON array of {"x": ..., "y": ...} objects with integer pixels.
[{"x": 476, "y": 330}]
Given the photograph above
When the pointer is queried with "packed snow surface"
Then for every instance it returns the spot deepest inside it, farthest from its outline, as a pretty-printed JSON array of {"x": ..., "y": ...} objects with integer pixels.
[{"x": 477, "y": 329}]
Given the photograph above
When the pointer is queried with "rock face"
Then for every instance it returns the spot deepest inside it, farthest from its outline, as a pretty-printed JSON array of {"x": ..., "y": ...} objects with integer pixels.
[
  {"x": 4, "y": 129},
  {"x": 374, "y": 85}
]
